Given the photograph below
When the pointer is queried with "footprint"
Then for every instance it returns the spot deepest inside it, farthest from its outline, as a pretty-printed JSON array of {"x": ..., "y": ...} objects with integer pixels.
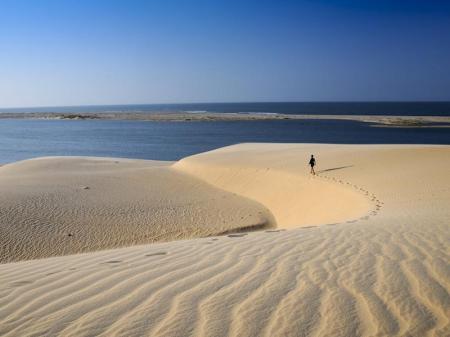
[
  {"x": 156, "y": 254},
  {"x": 236, "y": 235}
]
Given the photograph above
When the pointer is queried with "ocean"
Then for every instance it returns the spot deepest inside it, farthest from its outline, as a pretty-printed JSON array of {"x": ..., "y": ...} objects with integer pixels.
[{"x": 24, "y": 139}]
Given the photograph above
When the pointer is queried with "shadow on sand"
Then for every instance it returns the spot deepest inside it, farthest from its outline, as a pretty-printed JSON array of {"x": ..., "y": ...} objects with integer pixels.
[{"x": 335, "y": 168}]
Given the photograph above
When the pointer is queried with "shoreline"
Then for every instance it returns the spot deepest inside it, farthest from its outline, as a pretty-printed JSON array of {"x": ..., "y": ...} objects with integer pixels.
[{"x": 378, "y": 120}]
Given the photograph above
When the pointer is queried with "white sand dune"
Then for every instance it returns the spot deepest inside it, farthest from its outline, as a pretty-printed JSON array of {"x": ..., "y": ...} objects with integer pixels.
[
  {"x": 59, "y": 206},
  {"x": 383, "y": 273},
  {"x": 280, "y": 181}
]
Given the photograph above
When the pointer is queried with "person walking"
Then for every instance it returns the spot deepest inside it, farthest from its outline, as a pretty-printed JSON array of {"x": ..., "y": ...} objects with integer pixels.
[{"x": 312, "y": 163}]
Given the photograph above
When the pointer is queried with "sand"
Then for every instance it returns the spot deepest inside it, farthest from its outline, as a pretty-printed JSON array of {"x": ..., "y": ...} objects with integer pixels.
[
  {"x": 177, "y": 116},
  {"x": 66, "y": 205},
  {"x": 280, "y": 180},
  {"x": 381, "y": 271}
]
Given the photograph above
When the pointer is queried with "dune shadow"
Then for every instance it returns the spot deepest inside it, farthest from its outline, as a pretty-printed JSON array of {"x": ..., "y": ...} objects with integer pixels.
[
  {"x": 237, "y": 235},
  {"x": 251, "y": 228},
  {"x": 156, "y": 254},
  {"x": 335, "y": 168}
]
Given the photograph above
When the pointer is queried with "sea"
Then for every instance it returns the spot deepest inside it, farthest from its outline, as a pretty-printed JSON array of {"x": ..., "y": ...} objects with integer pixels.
[
  {"x": 313, "y": 108},
  {"x": 26, "y": 138}
]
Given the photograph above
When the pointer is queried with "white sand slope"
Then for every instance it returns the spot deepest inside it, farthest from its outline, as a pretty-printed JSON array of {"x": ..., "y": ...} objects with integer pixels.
[
  {"x": 384, "y": 274},
  {"x": 280, "y": 181},
  {"x": 67, "y": 205}
]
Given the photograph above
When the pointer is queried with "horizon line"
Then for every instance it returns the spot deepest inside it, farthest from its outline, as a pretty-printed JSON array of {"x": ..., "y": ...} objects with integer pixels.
[{"x": 218, "y": 102}]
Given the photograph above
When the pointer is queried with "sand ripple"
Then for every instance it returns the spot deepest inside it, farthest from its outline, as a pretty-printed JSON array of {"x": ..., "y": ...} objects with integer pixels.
[
  {"x": 345, "y": 281},
  {"x": 68, "y": 205},
  {"x": 382, "y": 275}
]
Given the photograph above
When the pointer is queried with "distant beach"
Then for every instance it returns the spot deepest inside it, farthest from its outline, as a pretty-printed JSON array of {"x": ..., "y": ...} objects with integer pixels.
[{"x": 380, "y": 120}]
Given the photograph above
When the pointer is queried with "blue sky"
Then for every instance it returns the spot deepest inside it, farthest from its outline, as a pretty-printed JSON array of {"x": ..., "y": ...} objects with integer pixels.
[{"x": 118, "y": 52}]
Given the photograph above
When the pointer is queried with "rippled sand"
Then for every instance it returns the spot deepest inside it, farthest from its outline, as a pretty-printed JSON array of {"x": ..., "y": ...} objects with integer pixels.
[
  {"x": 382, "y": 273},
  {"x": 59, "y": 206}
]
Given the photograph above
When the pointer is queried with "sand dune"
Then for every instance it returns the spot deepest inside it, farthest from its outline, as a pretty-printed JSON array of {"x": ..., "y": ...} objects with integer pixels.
[
  {"x": 385, "y": 273},
  {"x": 66, "y": 205},
  {"x": 60, "y": 206},
  {"x": 280, "y": 181}
]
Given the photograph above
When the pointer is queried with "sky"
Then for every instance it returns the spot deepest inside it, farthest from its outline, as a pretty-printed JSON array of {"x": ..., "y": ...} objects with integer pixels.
[{"x": 88, "y": 52}]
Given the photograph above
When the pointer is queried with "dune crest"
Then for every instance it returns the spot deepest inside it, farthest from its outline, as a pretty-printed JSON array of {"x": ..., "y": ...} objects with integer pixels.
[{"x": 281, "y": 183}]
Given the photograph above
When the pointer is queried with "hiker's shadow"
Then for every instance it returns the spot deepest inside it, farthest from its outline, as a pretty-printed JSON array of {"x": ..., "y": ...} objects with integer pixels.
[{"x": 335, "y": 168}]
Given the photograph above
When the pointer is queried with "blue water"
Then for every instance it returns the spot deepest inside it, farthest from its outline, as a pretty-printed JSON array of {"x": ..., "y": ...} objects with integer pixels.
[
  {"x": 23, "y": 139},
  {"x": 314, "y": 108}
]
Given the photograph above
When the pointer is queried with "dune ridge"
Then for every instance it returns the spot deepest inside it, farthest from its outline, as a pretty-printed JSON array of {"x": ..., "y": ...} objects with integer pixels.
[
  {"x": 66, "y": 205},
  {"x": 281, "y": 183},
  {"x": 386, "y": 274}
]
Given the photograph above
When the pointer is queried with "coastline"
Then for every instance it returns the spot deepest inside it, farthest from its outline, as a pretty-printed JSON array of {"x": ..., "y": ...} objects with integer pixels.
[{"x": 377, "y": 120}]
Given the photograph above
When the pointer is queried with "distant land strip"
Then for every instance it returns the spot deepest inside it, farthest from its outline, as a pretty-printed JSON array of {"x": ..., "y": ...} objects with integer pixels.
[{"x": 377, "y": 120}]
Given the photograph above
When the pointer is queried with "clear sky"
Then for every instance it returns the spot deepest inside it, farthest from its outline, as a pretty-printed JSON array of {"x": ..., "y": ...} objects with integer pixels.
[{"x": 83, "y": 52}]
